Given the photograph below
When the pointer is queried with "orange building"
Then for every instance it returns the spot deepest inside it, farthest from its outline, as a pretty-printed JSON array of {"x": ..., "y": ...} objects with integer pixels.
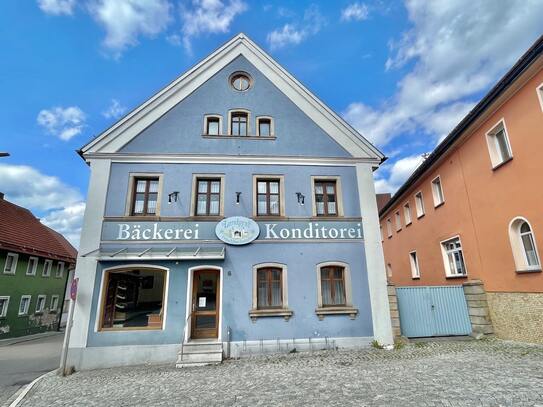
[{"x": 474, "y": 209}]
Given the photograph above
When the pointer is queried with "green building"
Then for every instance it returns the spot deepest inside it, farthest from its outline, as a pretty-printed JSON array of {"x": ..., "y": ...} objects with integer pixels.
[{"x": 35, "y": 262}]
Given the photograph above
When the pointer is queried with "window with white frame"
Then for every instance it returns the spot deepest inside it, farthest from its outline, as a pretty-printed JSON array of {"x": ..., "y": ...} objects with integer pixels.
[
  {"x": 270, "y": 291},
  {"x": 4, "y": 303},
  {"x": 414, "y": 262},
  {"x": 389, "y": 227},
  {"x": 419, "y": 204},
  {"x": 54, "y": 303},
  {"x": 40, "y": 303},
  {"x": 437, "y": 191},
  {"x": 398, "y": 221},
  {"x": 453, "y": 258},
  {"x": 213, "y": 125},
  {"x": 60, "y": 269},
  {"x": 540, "y": 95},
  {"x": 11, "y": 263},
  {"x": 499, "y": 147},
  {"x": 24, "y": 304},
  {"x": 334, "y": 294},
  {"x": 32, "y": 266},
  {"x": 524, "y": 245},
  {"x": 264, "y": 126},
  {"x": 407, "y": 213},
  {"x": 47, "y": 266},
  {"x": 381, "y": 232}
]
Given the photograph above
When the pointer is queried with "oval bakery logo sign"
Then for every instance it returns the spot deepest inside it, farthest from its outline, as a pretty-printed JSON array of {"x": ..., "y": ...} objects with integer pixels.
[{"x": 237, "y": 230}]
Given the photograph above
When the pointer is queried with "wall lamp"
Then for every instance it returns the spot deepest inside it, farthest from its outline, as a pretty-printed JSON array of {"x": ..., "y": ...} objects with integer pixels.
[
  {"x": 301, "y": 198},
  {"x": 238, "y": 195},
  {"x": 173, "y": 197}
]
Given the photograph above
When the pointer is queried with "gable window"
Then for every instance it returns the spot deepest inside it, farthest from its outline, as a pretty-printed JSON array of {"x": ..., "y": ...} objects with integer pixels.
[
  {"x": 54, "y": 303},
  {"x": 498, "y": 145},
  {"x": 239, "y": 123},
  {"x": 208, "y": 197},
  {"x": 32, "y": 266},
  {"x": 145, "y": 197},
  {"x": 240, "y": 81},
  {"x": 437, "y": 192},
  {"x": 133, "y": 298},
  {"x": 213, "y": 125},
  {"x": 24, "y": 305},
  {"x": 414, "y": 262},
  {"x": 268, "y": 196},
  {"x": 389, "y": 227},
  {"x": 60, "y": 269},
  {"x": 419, "y": 204},
  {"x": 398, "y": 221},
  {"x": 40, "y": 303},
  {"x": 4, "y": 303},
  {"x": 325, "y": 198},
  {"x": 264, "y": 126},
  {"x": 407, "y": 213},
  {"x": 453, "y": 258},
  {"x": 524, "y": 246},
  {"x": 47, "y": 265},
  {"x": 11, "y": 263},
  {"x": 334, "y": 295}
]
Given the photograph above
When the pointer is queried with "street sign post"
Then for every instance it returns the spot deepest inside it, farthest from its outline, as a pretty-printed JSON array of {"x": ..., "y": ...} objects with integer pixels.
[{"x": 73, "y": 296}]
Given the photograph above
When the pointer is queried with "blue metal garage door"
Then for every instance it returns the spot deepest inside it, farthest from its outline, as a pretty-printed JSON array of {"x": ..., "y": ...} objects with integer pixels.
[{"x": 433, "y": 311}]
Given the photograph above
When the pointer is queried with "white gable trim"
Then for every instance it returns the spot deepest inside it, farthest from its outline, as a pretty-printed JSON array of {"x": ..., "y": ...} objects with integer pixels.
[{"x": 117, "y": 136}]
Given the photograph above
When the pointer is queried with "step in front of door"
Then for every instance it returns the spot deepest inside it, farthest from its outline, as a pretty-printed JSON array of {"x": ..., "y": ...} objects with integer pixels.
[{"x": 199, "y": 355}]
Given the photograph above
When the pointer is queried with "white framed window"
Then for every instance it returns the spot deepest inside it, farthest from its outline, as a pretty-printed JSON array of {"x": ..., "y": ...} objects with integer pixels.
[
  {"x": 334, "y": 292},
  {"x": 453, "y": 258},
  {"x": 327, "y": 195},
  {"x": 381, "y": 232},
  {"x": 213, "y": 125},
  {"x": 499, "y": 147},
  {"x": 270, "y": 291},
  {"x": 54, "y": 303},
  {"x": 398, "y": 221},
  {"x": 268, "y": 195},
  {"x": 60, "y": 269},
  {"x": 239, "y": 123},
  {"x": 40, "y": 303},
  {"x": 389, "y": 227},
  {"x": 24, "y": 304},
  {"x": 10, "y": 266},
  {"x": 407, "y": 213},
  {"x": 539, "y": 91},
  {"x": 265, "y": 126},
  {"x": 414, "y": 262},
  {"x": 32, "y": 266},
  {"x": 47, "y": 266},
  {"x": 4, "y": 303},
  {"x": 437, "y": 191},
  {"x": 419, "y": 204},
  {"x": 523, "y": 244}
]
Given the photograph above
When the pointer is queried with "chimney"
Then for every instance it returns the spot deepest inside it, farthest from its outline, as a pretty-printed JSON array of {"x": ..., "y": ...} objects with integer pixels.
[{"x": 1, "y": 196}]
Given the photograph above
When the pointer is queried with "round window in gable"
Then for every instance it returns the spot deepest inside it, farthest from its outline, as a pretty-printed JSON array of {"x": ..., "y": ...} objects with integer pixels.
[{"x": 240, "y": 81}]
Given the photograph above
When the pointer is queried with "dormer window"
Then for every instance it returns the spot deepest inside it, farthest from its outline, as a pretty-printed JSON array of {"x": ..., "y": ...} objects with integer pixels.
[
  {"x": 239, "y": 123},
  {"x": 212, "y": 125},
  {"x": 240, "y": 81}
]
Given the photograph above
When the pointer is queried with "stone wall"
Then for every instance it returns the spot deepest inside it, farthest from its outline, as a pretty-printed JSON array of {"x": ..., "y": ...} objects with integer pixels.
[
  {"x": 517, "y": 316},
  {"x": 479, "y": 314},
  {"x": 394, "y": 312}
]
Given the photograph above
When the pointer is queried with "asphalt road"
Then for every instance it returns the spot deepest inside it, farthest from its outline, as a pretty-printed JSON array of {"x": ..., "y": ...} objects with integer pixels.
[{"x": 22, "y": 362}]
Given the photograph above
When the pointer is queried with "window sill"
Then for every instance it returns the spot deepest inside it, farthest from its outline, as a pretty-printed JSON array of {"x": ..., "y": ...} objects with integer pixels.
[
  {"x": 229, "y": 137},
  {"x": 206, "y": 217},
  {"x": 420, "y": 216},
  {"x": 131, "y": 329},
  {"x": 439, "y": 204},
  {"x": 528, "y": 271},
  {"x": 277, "y": 312},
  {"x": 502, "y": 164},
  {"x": 459, "y": 276},
  {"x": 321, "y": 312},
  {"x": 415, "y": 278},
  {"x": 398, "y": 230},
  {"x": 408, "y": 224},
  {"x": 269, "y": 217},
  {"x": 8, "y": 274}
]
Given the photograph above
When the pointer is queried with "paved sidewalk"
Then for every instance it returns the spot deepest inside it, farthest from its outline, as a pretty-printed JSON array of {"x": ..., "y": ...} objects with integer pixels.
[{"x": 476, "y": 373}]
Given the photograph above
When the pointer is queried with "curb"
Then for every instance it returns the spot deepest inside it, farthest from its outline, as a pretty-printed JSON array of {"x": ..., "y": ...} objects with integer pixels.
[
  {"x": 23, "y": 391},
  {"x": 28, "y": 338}
]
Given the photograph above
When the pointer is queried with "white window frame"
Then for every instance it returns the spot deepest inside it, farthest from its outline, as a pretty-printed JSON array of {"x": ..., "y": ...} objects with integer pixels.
[
  {"x": 34, "y": 268},
  {"x": 445, "y": 254},
  {"x": 233, "y": 111},
  {"x": 14, "y": 263},
  {"x": 398, "y": 221},
  {"x": 407, "y": 213},
  {"x": 382, "y": 235},
  {"x": 47, "y": 268},
  {"x": 339, "y": 195},
  {"x": 348, "y": 308},
  {"x": 60, "y": 266},
  {"x": 193, "y": 197},
  {"x": 25, "y": 312},
  {"x": 415, "y": 266},
  {"x": 517, "y": 246},
  {"x": 284, "y": 311},
  {"x": 419, "y": 204},
  {"x": 496, "y": 158},
  {"x": 272, "y": 126},
  {"x": 4, "y": 309},
  {"x": 539, "y": 91},
  {"x": 389, "y": 228},
  {"x": 267, "y": 177},
  {"x": 53, "y": 306},
  {"x": 130, "y": 193},
  {"x": 213, "y": 116},
  {"x": 42, "y": 309},
  {"x": 437, "y": 192}
]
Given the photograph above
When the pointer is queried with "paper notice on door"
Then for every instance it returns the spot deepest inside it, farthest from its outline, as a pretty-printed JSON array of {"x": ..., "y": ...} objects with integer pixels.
[{"x": 201, "y": 302}]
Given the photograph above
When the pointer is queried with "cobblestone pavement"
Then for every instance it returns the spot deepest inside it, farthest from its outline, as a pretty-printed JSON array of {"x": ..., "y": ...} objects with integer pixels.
[{"x": 474, "y": 373}]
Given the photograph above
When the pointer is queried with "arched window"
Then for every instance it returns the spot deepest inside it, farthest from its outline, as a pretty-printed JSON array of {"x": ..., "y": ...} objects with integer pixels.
[
  {"x": 334, "y": 294},
  {"x": 524, "y": 245},
  {"x": 270, "y": 291}
]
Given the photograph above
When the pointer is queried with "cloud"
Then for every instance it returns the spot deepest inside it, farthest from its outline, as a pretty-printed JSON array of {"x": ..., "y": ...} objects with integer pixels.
[
  {"x": 57, "y": 7},
  {"x": 64, "y": 123},
  {"x": 126, "y": 20},
  {"x": 115, "y": 110},
  {"x": 355, "y": 11},
  {"x": 398, "y": 173},
  {"x": 208, "y": 16},
  {"x": 295, "y": 33},
  {"x": 453, "y": 52},
  {"x": 67, "y": 221}
]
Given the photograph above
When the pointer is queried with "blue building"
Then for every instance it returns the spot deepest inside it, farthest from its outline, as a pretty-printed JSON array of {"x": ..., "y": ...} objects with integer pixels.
[{"x": 231, "y": 213}]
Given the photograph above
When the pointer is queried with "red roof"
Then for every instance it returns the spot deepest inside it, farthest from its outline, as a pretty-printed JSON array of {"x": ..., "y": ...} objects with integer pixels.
[{"x": 21, "y": 231}]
